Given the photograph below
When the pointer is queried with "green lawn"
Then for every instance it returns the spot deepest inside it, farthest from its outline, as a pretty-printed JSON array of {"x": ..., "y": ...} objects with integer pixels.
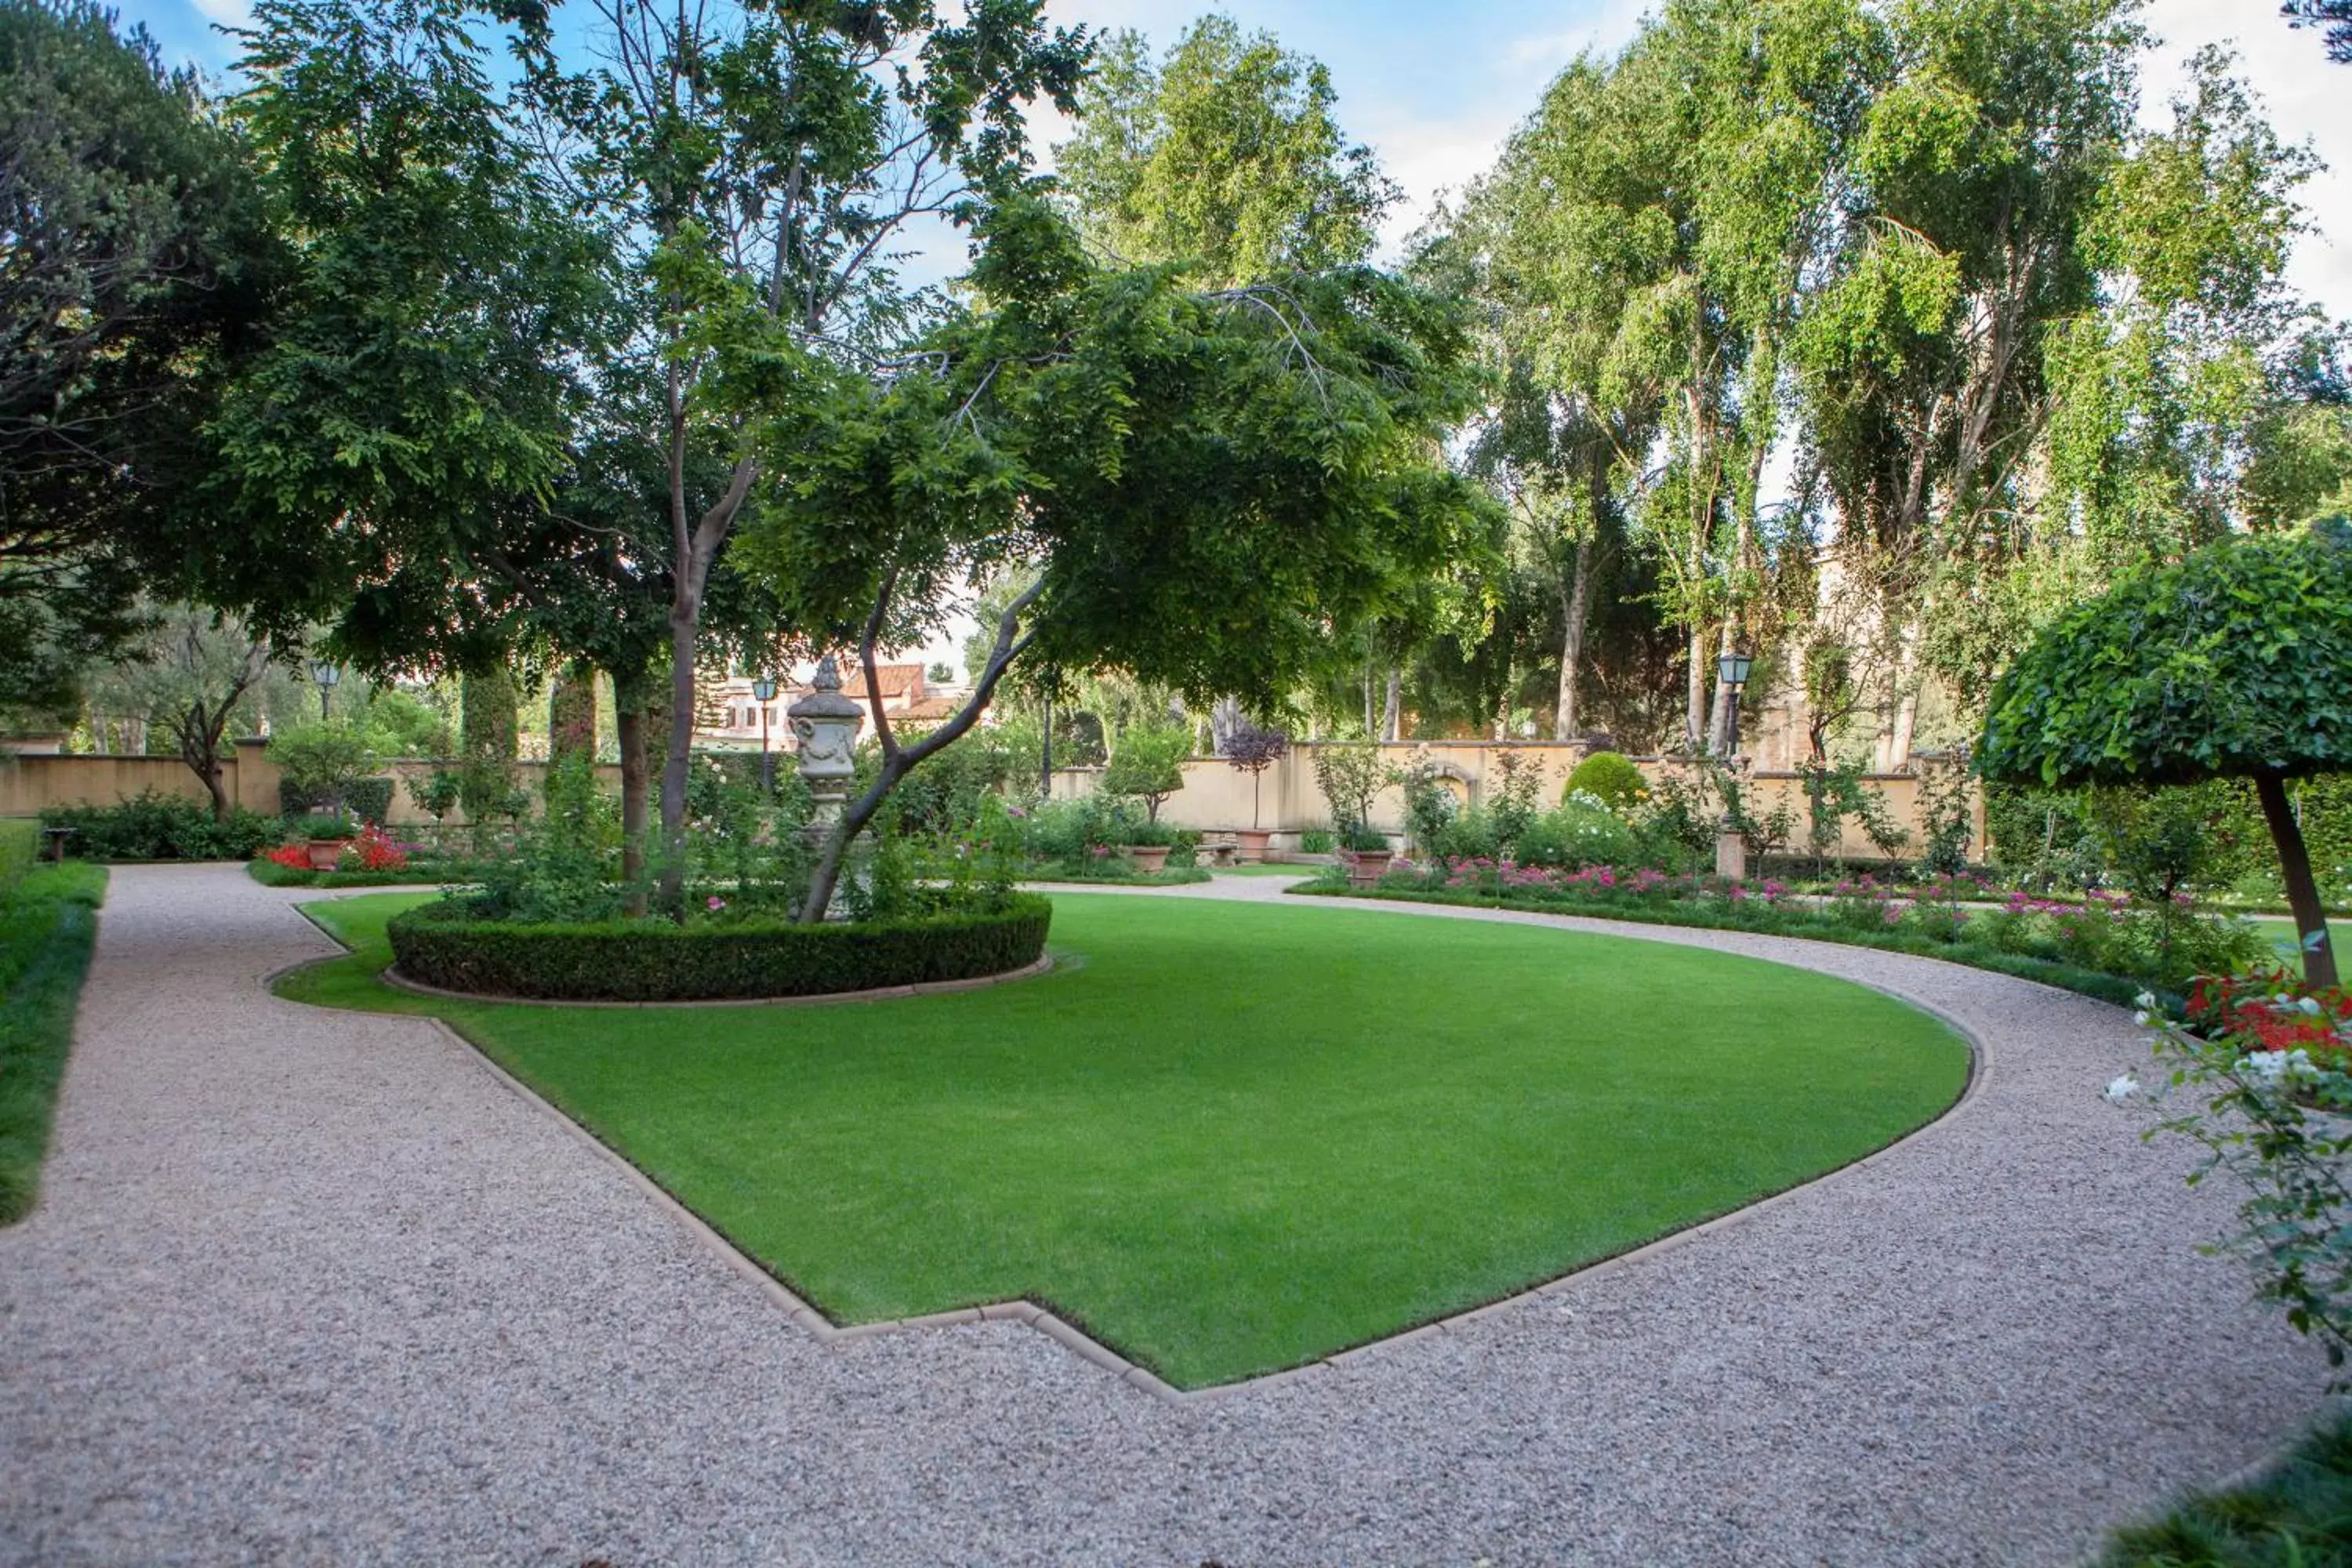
[
  {"x": 1227, "y": 1139},
  {"x": 47, "y": 927}
]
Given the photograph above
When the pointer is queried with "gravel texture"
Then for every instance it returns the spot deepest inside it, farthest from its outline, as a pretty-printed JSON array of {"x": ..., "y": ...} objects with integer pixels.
[{"x": 309, "y": 1287}]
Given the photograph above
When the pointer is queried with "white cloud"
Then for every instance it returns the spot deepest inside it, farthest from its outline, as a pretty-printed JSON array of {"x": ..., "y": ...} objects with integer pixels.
[{"x": 227, "y": 13}]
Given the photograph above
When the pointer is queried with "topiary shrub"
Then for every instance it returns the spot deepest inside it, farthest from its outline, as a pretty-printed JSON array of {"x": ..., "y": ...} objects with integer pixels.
[
  {"x": 369, "y": 800},
  {"x": 155, "y": 827},
  {"x": 447, "y": 945},
  {"x": 1609, "y": 777}
]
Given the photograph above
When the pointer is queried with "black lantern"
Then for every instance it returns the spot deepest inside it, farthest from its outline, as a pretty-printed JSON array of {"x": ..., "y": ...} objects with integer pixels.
[
  {"x": 763, "y": 691},
  {"x": 324, "y": 674},
  {"x": 1732, "y": 669}
]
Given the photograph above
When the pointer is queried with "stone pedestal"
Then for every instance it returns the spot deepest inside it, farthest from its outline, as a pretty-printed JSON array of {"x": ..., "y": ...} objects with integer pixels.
[{"x": 1731, "y": 856}]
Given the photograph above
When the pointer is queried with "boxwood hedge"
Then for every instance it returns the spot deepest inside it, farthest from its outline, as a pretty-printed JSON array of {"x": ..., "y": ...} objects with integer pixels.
[{"x": 445, "y": 945}]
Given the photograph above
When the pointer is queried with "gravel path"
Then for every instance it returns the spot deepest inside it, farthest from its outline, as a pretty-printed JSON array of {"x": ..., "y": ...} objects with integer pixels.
[{"x": 311, "y": 1287}]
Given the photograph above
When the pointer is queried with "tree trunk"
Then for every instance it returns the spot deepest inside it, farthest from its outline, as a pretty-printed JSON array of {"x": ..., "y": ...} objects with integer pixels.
[
  {"x": 1576, "y": 610},
  {"x": 678, "y": 750},
  {"x": 631, "y": 696},
  {"x": 1391, "y": 716},
  {"x": 2295, "y": 869},
  {"x": 1695, "y": 710},
  {"x": 211, "y": 773}
]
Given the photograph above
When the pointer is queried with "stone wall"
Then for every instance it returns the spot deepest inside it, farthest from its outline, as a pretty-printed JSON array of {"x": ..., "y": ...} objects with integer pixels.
[{"x": 30, "y": 783}]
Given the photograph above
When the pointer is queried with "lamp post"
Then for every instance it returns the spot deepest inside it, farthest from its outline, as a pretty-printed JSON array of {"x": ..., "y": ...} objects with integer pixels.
[
  {"x": 1732, "y": 669},
  {"x": 763, "y": 691},
  {"x": 325, "y": 674}
]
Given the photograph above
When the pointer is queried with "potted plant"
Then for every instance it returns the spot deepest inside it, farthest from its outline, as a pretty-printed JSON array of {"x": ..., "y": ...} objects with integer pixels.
[
  {"x": 1367, "y": 852},
  {"x": 1253, "y": 751},
  {"x": 1146, "y": 843},
  {"x": 324, "y": 836},
  {"x": 1350, "y": 774}
]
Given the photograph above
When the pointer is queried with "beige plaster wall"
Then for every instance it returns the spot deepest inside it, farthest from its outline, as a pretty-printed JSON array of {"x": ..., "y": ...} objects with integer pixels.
[
  {"x": 30, "y": 784},
  {"x": 1217, "y": 795}
]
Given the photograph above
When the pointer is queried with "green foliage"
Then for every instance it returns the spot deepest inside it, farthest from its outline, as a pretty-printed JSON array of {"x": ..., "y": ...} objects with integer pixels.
[
  {"x": 1517, "y": 781},
  {"x": 137, "y": 266},
  {"x": 2235, "y": 660},
  {"x": 1317, "y": 841},
  {"x": 399, "y": 723},
  {"x": 565, "y": 868},
  {"x": 1148, "y": 764},
  {"x": 1226, "y": 156},
  {"x": 46, "y": 932},
  {"x": 437, "y": 793},
  {"x": 2157, "y": 843},
  {"x": 487, "y": 744},
  {"x": 1578, "y": 834},
  {"x": 318, "y": 762},
  {"x": 1609, "y": 778},
  {"x": 1349, "y": 774},
  {"x": 155, "y": 827},
  {"x": 453, "y": 946},
  {"x": 368, "y": 800},
  {"x": 20, "y": 847},
  {"x": 2293, "y": 1515},
  {"x": 1834, "y": 792}
]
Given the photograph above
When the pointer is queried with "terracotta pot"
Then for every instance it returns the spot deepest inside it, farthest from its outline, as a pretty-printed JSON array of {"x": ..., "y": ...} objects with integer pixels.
[
  {"x": 1249, "y": 845},
  {"x": 1366, "y": 867},
  {"x": 1149, "y": 856},
  {"x": 326, "y": 853}
]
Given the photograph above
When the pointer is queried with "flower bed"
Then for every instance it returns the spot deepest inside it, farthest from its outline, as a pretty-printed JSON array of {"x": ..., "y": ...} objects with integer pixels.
[{"x": 446, "y": 945}]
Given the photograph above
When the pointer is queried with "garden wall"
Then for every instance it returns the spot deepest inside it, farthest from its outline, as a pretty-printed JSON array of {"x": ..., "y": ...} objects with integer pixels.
[
  {"x": 1218, "y": 796},
  {"x": 31, "y": 782}
]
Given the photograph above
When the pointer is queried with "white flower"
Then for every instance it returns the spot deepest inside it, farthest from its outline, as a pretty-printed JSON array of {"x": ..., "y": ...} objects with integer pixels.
[
  {"x": 2273, "y": 1066},
  {"x": 2310, "y": 1004},
  {"x": 2122, "y": 1088},
  {"x": 2140, "y": 1017},
  {"x": 2145, "y": 999}
]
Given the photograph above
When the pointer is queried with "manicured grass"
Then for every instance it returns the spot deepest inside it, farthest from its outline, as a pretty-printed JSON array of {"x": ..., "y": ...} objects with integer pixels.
[
  {"x": 1296, "y": 873},
  {"x": 46, "y": 930},
  {"x": 1228, "y": 1139},
  {"x": 2296, "y": 1515}
]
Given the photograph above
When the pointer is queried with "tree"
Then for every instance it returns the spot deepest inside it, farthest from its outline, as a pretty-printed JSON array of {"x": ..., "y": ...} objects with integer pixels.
[
  {"x": 2335, "y": 15},
  {"x": 133, "y": 265},
  {"x": 748, "y": 170},
  {"x": 1253, "y": 750},
  {"x": 1226, "y": 156},
  {"x": 1148, "y": 763},
  {"x": 2235, "y": 662},
  {"x": 1195, "y": 486},
  {"x": 193, "y": 672}
]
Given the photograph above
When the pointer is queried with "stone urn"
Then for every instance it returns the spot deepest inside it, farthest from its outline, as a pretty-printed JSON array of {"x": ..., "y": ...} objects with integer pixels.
[
  {"x": 1366, "y": 867},
  {"x": 1149, "y": 858},
  {"x": 1249, "y": 845},
  {"x": 326, "y": 854}
]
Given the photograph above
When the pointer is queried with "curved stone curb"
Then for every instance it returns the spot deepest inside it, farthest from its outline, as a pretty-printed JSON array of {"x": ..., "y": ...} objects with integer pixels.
[{"x": 392, "y": 976}]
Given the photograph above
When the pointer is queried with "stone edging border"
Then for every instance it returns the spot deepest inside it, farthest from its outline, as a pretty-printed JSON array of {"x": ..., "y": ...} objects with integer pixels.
[
  {"x": 1044, "y": 964},
  {"x": 1093, "y": 1350}
]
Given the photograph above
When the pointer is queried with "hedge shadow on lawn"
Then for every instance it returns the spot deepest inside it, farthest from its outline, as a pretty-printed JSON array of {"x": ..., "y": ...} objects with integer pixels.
[{"x": 440, "y": 946}]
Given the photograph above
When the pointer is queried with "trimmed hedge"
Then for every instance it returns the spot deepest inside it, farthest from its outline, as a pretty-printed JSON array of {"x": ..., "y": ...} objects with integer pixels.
[
  {"x": 2091, "y": 983},
  {"x": 442, "y": 945}
]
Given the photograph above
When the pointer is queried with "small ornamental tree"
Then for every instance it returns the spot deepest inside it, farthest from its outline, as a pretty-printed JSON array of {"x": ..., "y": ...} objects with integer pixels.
[
  {"x": 1148, "y": 765},
  {"x": 2234, "y": 663},
  {"x": 1253, "y": 751}
]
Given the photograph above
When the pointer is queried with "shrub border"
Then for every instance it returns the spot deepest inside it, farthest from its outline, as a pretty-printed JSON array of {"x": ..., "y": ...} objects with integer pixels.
[
  {"x": 2096, "y": 984},
  {"x": 644, "y": 963}
]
